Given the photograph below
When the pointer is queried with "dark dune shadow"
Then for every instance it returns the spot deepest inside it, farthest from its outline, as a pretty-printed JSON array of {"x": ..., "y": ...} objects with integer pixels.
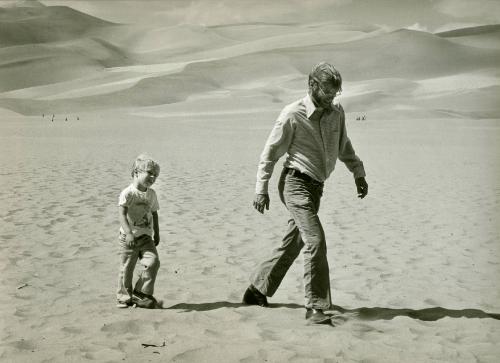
[
  {"x": 364, "y": 313},
  {"x": 429, "y": 314}
]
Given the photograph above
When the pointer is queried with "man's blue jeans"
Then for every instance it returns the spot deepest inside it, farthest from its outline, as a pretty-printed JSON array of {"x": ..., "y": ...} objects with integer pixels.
[{"x": 302, "y": 199}]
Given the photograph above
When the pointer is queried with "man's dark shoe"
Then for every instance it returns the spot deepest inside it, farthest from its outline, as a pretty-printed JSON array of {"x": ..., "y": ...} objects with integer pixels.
[
  {"x": 254, "y": 297},
  {"x": 317, "y": 317}
]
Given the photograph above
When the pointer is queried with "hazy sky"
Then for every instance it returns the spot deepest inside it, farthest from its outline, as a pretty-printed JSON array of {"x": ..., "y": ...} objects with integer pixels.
[{"x": 428, "y": 15}]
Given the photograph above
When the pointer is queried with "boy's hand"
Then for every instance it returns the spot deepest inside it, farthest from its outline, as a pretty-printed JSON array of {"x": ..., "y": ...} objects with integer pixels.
[
  {"x": 130, "y": 240},
  {"x": 157, "y": 240}
]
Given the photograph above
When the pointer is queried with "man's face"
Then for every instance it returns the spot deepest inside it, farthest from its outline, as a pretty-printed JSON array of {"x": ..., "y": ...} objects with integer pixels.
[{"x": 323, "y": 93}]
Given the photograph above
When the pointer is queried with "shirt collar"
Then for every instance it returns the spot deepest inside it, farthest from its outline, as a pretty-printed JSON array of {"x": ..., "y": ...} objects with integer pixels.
[
  {"x": 310, "y": 107},
  {"x": 134, "y": 188}
]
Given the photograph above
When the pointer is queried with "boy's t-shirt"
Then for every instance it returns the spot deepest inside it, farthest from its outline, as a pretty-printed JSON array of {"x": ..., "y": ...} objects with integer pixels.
[{"x": 140, "y": 207}]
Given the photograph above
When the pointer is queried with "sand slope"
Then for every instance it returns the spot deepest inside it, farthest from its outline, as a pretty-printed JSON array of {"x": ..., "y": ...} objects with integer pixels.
[
  {"x": 413, "y": 275},
  {"x": 485, "y": 36},
  {"x": 28, "y": 25}
]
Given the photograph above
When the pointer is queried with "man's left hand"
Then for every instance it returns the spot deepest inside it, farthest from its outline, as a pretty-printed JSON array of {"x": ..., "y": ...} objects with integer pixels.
[{"x": 362, "y": 187}]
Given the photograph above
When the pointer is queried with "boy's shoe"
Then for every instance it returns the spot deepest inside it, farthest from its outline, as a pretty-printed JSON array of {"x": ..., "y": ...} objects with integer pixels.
[
  {"x": 121, "y": 305},
  {"x": 255, "y": 297},
  {"x": 317, "y": 317},
  {"x": 143, "y": 300}
]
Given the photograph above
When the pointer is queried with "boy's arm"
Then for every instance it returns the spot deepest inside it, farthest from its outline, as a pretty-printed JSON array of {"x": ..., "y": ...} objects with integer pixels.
[
  {"x": 122, "y": 216},
  {"x": 156, "y": 228}
]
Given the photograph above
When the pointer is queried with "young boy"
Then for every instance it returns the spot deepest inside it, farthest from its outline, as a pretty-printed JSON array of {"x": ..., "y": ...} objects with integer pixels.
[{"x": 139, "y": 235}]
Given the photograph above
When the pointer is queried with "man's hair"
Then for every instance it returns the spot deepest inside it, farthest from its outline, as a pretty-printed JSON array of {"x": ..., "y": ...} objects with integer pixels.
[
  {"x": 326, "y": 73},
  {"x": 144, "y": 162}
]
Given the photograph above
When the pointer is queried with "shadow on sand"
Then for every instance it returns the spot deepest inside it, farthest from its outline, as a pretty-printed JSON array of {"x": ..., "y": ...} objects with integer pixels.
[
  {"x": 225, "y": 304},
  {"x": 429, "y": 314},
  {"x": 364, "y": 313}
]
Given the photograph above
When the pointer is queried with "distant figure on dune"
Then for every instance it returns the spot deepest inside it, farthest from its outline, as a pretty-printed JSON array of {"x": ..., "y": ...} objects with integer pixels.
[
  {"x": 139, "y": 235},
  {"x": 312, "y": 131}
]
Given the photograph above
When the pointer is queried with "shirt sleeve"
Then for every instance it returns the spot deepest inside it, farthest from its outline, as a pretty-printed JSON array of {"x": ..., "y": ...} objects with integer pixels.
[
  {"x": 346, "y": 152},
  {"x": 123, "y": 199},
  {"x": 276, "y": 146}
]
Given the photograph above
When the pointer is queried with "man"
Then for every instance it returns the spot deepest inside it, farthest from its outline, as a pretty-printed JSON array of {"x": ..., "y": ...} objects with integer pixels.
[{"x": 312, "y": 132}]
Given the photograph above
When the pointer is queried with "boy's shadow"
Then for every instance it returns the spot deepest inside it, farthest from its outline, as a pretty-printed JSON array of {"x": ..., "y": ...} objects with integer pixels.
[{"x": 363, "y": 313}]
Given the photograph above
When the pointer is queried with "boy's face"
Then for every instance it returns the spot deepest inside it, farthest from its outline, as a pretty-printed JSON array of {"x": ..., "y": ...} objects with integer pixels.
[{"x": 145, "y": 178}]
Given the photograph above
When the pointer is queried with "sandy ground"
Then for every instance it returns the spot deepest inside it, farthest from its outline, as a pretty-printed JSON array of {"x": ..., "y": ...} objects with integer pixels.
[{"x": 414, "y": 267}]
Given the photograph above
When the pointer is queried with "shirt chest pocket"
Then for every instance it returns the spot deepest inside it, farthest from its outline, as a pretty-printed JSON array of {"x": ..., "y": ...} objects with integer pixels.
[{"x": 332, "y": 140}]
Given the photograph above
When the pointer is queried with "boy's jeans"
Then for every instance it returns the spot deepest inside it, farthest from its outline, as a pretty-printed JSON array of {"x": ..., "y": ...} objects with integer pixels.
[
  {"x": 302, "y": 200},
  {"x": 145, "y": 250}
]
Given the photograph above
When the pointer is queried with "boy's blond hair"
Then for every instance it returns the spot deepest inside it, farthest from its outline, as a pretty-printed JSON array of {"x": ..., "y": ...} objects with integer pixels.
[{"x": 144, "y": 162}]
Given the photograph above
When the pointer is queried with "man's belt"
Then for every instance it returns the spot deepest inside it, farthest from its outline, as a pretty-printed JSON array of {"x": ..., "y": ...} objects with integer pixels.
[{"x": 303, "y": 176}]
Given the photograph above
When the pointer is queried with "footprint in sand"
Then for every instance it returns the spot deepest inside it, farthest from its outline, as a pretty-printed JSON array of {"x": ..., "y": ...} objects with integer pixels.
[
  {"x": 135, "y": 327},
  {"x": 82, "y": 249},
  {"x": 71, "y": 330},
  {"x": 24, "y": 344}
]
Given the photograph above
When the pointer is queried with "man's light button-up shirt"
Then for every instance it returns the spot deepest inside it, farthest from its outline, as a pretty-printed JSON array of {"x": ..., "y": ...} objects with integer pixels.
[{"x": 313, "y": 139}]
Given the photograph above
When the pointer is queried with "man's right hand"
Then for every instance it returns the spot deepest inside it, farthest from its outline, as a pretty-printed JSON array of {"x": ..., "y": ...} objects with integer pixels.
[{"x": 261, "y": 202}]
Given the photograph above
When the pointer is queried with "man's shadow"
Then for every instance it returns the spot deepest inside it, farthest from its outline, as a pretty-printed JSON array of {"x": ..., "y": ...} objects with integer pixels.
[
  {"x": 363, "y": 313},
  {"x": 428, "y": 314}
]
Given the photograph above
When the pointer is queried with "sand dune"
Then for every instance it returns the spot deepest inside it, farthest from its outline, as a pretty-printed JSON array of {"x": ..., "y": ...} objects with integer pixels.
[
  {"x": 229, "y": 56},
  {"x": 31, "y": 25},
  {"x": 478, "y": 30},
  {"x": 414, "y": 266},
  {"x": 398, "y": 54},
  {"x": 254, "y": 31},
  {"x": 178, "y": 39},
  {"x": 403, "y": 53},
  {"x": 59, "y": 62},
  {"x": 66, "y": 68},
  {"x": 487, "y": 36},
  {"x": 268, "y": 37}
]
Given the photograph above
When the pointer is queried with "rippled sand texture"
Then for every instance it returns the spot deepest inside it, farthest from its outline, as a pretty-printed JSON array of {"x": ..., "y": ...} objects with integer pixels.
[{"x": 414, "y": 266}]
